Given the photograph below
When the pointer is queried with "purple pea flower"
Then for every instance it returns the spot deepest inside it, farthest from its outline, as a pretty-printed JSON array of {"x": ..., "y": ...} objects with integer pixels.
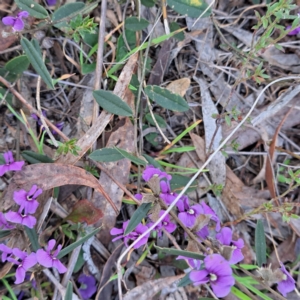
[
  {"x": 194, "y": 263},
  {"x": 225, "y": 238},
  {"x": 294, "y": 31},
  {"x": 51, "y": 2},
  {"x": 58, "y": 125},
  {"x": 140, "y": 229},
  {"x": 165, "y": 223},
  {"x": 188, "y": 214},
  {"x": 49, "y": 258},
  {"x": 88, "y": 286},
  {"x": 16, "y": 22},
  {"x": 27, "y": 200},
  {"x": 10, "y": 164},
  {"x": 3, "y": 222},
  {"x": 151, "y": 171},
  {"x": 218, "y": 272},
  {"x": 20, "y": 218},
  {"x": 166, "y": 194},
  {"x": 287, "y": 284},
  {"x": 27, "y": 261},
  {"x": 5, "y": 251}
]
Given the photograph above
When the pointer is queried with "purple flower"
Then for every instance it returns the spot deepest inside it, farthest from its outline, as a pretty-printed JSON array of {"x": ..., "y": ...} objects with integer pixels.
[
  {"x": 5, "y": 251},
  {"x": 10, "y": 164},
  {"x": 188, "y": 214},
  {"x": 27, "y": 200},
  {"x": 49, "y": 258},
  {"x": 3, "y": 222},
  {"x": 194, "y": 263},
  {"x": 88, "y": 286},
  {"x": 225, "y": 238},
  {"x": 287, "y": 284},
  {"x": 58, "y": 125},
  {"x": 150, "y": 171},
  {"x": 294, "y": 31},
  {"x": 166, "y": 194},
  {"x": 16, "y": 22},
  {"x": 140, "y": 229},
  {"x": 218, "y": 272},
  {"x": 165, "y": 223},
  {"x": 27, "y": 261},
  {"x": 20, "y": 218},
  {"x": 51, "y": 2}
]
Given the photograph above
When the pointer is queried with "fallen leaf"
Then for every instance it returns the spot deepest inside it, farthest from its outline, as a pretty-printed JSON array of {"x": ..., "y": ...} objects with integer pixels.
[
  {"x": 150, "y": 288},
  {"x": 48, "y": 176},
  {"x": 85, "y": 211},
  {"x": 179, "y": 86}
]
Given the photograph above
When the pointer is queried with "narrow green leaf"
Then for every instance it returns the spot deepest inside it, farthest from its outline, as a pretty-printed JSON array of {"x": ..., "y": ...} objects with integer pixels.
[
  {"x": 260, "y": 243},
  {"x": 106, "y": 155},
  {"x": 69, "y": 291},
  {"x": 185, "y": 281},
  {"x": 33, "y": 238},
  {"x": 133, "y": 158},
  {"x": 36, "y": 158},
  {"x": 74, "y": 245},
  {"x": 148, "y": 3},
  {"x": 188, "y": 254},
  {"x": 69, "y": 9},
  {"x": 137, "y": 217},
  {"x": 153, "y": 162},
  {"x": 18, "y": 64},
  {"x": 239, "y": 294},
  {"x": 166, "y": 99},
  {"x": 37, "y": 61},
  {"x": 112, "y": 103},
  {"x": 160, "y": 121},
  {"x": 34, "y": 9},
  {"x": 4, "y": 233},
  {"x": 192, "y": 8},
  {"x": 178, "y": 182},
  {"x": 135, "y": 24},
  {"x": 180, "y": 149}
]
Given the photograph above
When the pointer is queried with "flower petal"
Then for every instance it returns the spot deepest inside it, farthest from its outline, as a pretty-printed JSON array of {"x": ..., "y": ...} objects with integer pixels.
[
  {"x": 29, "y": 261},
  {"x": 8, "y": 21},
  {"x": 19, "y": 25},
  {"x": 20, "y": 275},
  {"x": 225, "y": 236},
  {"x": 199, "y": 277},
  {"x": 51, "y": 245},
  {"x": 17, "y": 165},
  {"x": 23, "y": 14},
  {"x": 29, "y": 221},
  {"x": 43, "y": 258},
  {"x": 20, "y": 196},
  {"x": 14, "y": 217},
  {"x": 3, "y": 169},
  {"x": 116, "y": 231},
  {"x": 59, "y": 266}
]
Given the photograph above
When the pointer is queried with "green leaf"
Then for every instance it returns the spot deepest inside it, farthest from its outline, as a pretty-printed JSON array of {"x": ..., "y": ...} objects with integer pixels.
[
  {"x": 122, "y": 50},
  {"x": 112, "y": 103},
  {"x": 135, "y": 24},
  {"x": 18, "y": 64},
  {"x": 37, "y": 61},
  {"x": 33, "y": 238},
  {"x": 239, "y": 294},
  {"x": 36, "y": 158},
  {"x": 188, "y": 254},
  {"x": 260, "y": 244},
  {"x": 74, "y": 245},
  {"x": 137, "y": 217},
  {"x": 160, "y": 121},
  {"x": 185, "y": 281},
  {"x": 34, "y": 9},
  {"x": 180, "y": 149},
  {"x": 133, "y": 158},
  {"x": 64, "y": 11},
  {"x": 192, "y": 8},
  {"x": 80, "y": 262},
  {"x": 173, "y": 27},
  {"x": 106, "y": 155},
  {"x": 166, "y": 99},
  {"x": 2, "y": 160},
  {"x": 87, "y": 68},
  {"x": 153, "y": 162},
  {"x": 148, "y": 3},
  {"x": 4, "y": 233},
  {"x": 69, "y": 291},
  {"x": 178, "y": 182}
]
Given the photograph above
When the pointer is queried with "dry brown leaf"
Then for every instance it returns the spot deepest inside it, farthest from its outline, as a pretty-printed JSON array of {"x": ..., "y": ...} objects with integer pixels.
[
  {"x": 47, "y": 176},
  {"x": 89, "y": 138},
  {"x": 120, "y": 170},
  {"x": 151, "y": 288},
  {"x": 179, "y": 86},
  {"x": 269, "y": 162}
]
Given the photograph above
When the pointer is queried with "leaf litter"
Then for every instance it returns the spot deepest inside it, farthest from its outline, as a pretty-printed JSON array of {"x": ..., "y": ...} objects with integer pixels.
[{"x": 213, "y": 73}]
